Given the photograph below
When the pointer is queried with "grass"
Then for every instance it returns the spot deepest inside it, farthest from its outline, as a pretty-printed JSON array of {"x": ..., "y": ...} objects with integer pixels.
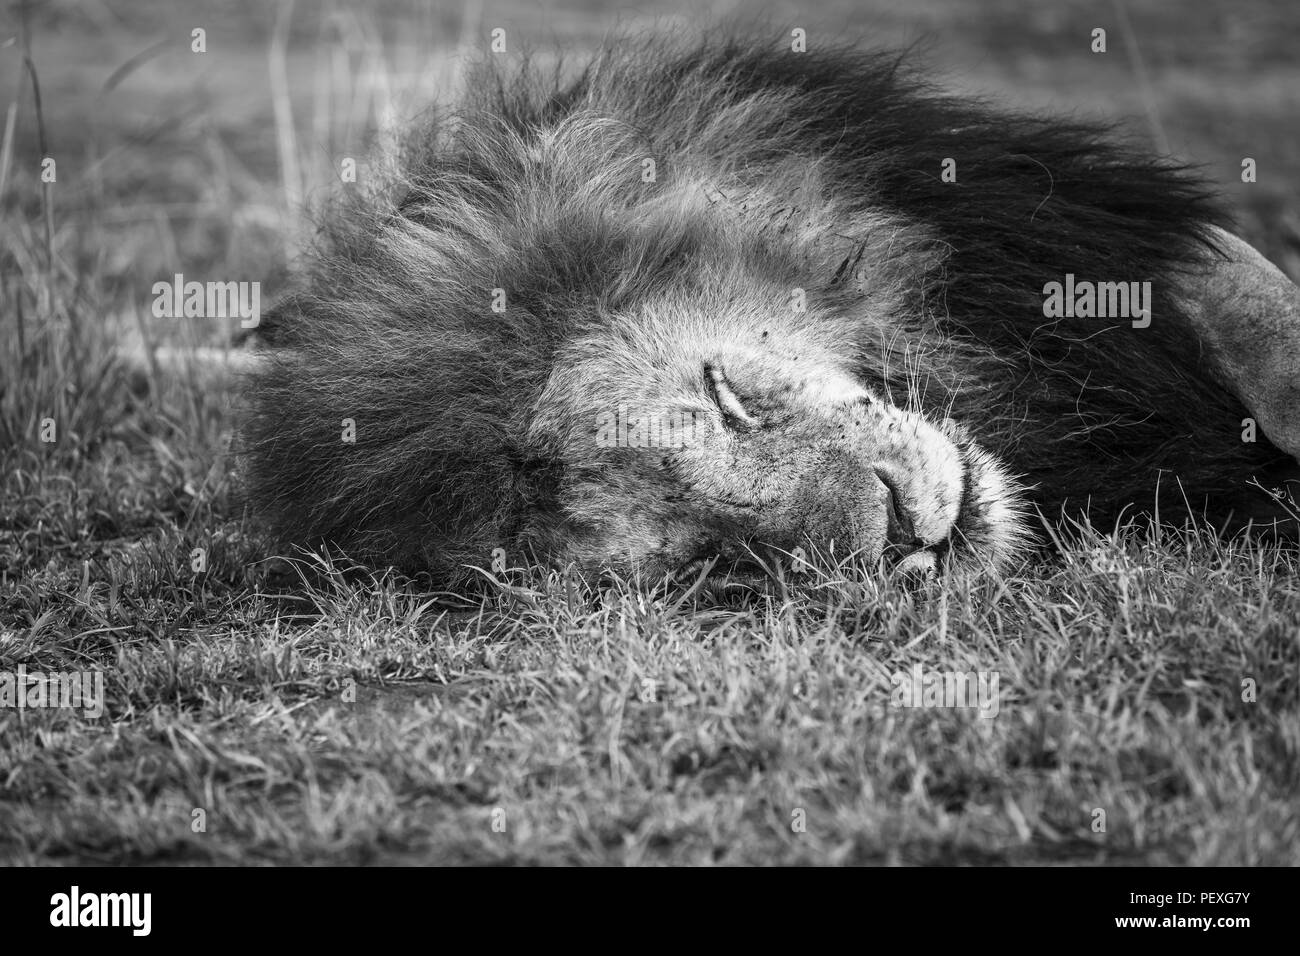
[
  {"x": 359, "y": 721},
  {"x": 271, "y": 711}
]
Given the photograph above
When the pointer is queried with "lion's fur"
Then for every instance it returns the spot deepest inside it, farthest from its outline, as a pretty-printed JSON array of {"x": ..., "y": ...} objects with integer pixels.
[{"x": 774, "y": 170}]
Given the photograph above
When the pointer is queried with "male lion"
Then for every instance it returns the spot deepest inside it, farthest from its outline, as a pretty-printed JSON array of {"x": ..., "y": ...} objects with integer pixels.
[{"x": 698, "y": 301}]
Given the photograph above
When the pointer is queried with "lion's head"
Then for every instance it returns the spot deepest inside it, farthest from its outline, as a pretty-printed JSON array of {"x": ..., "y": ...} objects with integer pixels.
[{"x": 713, "y": 420}]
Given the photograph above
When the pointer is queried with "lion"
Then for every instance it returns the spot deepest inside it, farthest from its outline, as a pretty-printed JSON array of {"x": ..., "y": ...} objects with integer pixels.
[{"x": 702, "y": 300}]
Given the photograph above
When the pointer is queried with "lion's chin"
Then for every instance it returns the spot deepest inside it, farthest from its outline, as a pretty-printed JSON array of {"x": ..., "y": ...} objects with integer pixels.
[{"x": 920, "y": 564}]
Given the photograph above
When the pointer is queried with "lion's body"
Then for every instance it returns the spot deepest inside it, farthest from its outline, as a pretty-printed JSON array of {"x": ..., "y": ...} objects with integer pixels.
[{"x": 772, "y": 172}]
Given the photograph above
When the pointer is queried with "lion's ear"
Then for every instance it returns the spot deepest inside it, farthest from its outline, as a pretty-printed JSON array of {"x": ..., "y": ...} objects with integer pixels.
[{"x": 1247, "y": 315}]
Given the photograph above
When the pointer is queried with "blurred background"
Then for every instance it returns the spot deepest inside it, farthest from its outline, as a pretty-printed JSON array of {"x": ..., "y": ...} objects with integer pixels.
[{"x": 169, "y": 160}]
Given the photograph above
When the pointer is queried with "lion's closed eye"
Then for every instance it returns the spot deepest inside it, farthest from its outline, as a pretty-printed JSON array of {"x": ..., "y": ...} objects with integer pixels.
[{"x": 733, "y": 409}]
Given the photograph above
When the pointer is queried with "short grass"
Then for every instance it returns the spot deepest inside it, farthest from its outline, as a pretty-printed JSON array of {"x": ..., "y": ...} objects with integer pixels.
[
  {"x": 269, "y": 711},
  {"x": 355, "y": 722}
]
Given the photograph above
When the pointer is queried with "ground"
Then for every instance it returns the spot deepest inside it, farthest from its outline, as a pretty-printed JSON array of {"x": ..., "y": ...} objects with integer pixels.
[{"x": 1148, "y": 706}]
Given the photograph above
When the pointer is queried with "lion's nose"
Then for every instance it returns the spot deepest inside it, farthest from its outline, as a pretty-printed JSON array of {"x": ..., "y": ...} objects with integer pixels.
[{"x": 900, "y": 532}]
